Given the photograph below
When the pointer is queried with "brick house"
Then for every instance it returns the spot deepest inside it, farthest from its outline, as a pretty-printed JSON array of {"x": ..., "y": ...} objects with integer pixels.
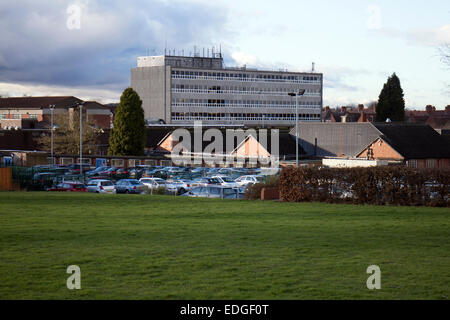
[
  {"x": 349, "y": 114},
  {"x": 416, "y": 146},
  {"x": 35, "y": 112},
  {"x": 437, "y": 119}
]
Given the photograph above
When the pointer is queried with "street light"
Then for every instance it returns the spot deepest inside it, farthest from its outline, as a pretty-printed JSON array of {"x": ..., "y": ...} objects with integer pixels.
[
  {"x": 300, "y": 92},
  {"x": 80, "y": 105},
  {"x": 52, "y": 108}
]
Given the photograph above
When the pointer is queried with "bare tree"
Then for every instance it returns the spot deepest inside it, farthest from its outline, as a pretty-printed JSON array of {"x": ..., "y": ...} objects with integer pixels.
[{"x": 66, "y": 136}]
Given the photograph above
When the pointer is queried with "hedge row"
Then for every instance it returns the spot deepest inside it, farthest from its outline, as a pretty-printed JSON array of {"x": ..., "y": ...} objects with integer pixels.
[{"x": 377, "y": 185}]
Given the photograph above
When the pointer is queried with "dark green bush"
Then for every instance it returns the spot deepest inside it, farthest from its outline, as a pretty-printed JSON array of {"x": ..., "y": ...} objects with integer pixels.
[{"x": 378, "y": 185}]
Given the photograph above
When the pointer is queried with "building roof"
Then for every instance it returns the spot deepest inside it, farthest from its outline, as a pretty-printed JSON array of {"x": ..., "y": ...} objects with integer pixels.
[
  {"x": 414, "y": 141},
  {"x": 331, "y": 139},
  {"x": 155, "y": 136},
  {"x": 286, "y": 147},
  {"x": 38, "y": 102},
  {"x": 95, "y": 105}
]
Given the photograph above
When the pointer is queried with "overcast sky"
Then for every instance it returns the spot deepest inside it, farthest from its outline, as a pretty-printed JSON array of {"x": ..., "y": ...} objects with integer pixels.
[{"x": 355, "y": 44}]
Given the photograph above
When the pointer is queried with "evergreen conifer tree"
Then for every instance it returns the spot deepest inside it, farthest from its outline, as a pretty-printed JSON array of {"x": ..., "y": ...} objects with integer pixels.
[
  {"x": 391, "y": 103},
  {"x": 128, "y": 135}
]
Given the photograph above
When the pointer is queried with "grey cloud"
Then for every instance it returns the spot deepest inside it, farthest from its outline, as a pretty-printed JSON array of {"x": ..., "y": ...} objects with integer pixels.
[{"x": 37, "y": 47}]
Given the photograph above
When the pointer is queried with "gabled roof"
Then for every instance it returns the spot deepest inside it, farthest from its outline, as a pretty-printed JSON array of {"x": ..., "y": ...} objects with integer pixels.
[
  {"x": 286, "y": 142},
  {"x": 156, "y": 136},
  {"x": 38, "y": 102},
  {"x": 414, "y": 141}
]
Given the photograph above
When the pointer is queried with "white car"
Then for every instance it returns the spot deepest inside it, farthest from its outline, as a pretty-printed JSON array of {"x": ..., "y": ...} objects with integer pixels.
[
  {"x": 153, "y": 183},
  {"x": 101, "y": 186},
  {"x": 179, "y": 186},
  {"x": 226, "y": 181},
  {"x": 246, "y": 180}
]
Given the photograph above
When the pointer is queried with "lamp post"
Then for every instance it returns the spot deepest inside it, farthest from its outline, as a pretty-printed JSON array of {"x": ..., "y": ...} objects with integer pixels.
[
  {"x": 296, "y": 95},
  {"x": 52, "y": 108},
  {"x": 80, "y": 105}
]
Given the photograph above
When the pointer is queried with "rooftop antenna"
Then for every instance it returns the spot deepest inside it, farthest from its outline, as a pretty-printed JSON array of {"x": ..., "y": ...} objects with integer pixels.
[
  {"x": 313, "y": 67},
  {"x": 165, "y": 45}
]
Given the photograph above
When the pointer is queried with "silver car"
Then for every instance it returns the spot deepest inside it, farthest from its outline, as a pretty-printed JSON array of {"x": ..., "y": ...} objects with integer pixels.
[
  {"x": 130, "y": 186},
  {"x": 153, "y": 183},
  {"x": 213, "y": 192},
  {"x": 101, "y": 186}
]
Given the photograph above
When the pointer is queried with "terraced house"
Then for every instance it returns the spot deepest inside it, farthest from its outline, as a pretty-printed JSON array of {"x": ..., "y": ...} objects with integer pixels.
[{"x": 35, "y": 112}]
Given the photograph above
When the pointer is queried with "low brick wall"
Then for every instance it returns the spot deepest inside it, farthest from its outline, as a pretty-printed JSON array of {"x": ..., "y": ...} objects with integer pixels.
[{"x": 270, "y": 194}]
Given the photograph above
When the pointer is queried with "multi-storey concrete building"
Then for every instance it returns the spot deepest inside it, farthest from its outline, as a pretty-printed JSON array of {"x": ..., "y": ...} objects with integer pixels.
[{"x": 181, "y": 90}]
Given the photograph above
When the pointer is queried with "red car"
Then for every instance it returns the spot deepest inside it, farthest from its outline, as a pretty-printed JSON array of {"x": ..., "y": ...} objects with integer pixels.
[{"x": 70, "y": 187}]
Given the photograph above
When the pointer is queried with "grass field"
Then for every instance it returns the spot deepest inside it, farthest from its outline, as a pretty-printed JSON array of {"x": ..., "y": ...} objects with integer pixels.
[{"x": 162, "y": 247}]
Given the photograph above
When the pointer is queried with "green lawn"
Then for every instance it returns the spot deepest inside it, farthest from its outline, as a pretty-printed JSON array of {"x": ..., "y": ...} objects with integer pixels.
[{"x": 162, "y": 247}]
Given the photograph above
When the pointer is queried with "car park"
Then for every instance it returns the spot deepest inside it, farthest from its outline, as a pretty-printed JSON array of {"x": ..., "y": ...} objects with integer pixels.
[
  {"x": 101, "y": 186},
  {"x": 130, "y": 186}
]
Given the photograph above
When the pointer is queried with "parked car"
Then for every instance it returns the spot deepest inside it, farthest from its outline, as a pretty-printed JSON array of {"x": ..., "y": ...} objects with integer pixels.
[
  {"x": 130, "y": 186},
  {"x": 245, "y": 180},
  {"x": 96, "y": 171},
  {"x": 226, "y": 181},
  {"x": 199, "y": 170},
  {"x": 101, "y": 186},
  {"x": 204, "y": 182},
  {"x": 75, "y": 168},
  {"x": 213, "y": 192},
  {"x": 70, "y": 187},
  {"x": 153, "y": 183},
  {"x": 178, "y": 186}
]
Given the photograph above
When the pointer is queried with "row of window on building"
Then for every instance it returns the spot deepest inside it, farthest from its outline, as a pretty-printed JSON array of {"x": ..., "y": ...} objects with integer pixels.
[
  {"x": 246, "y": 77},
  {"x": 17, "y": 116},
  {"x": 243, "y": 116},
  {"x": 194, "y": 88},
  {"x": 182, "y": 102},
  {"x": 118, "y": 163},
  {"x": 429, "y": 163}
]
